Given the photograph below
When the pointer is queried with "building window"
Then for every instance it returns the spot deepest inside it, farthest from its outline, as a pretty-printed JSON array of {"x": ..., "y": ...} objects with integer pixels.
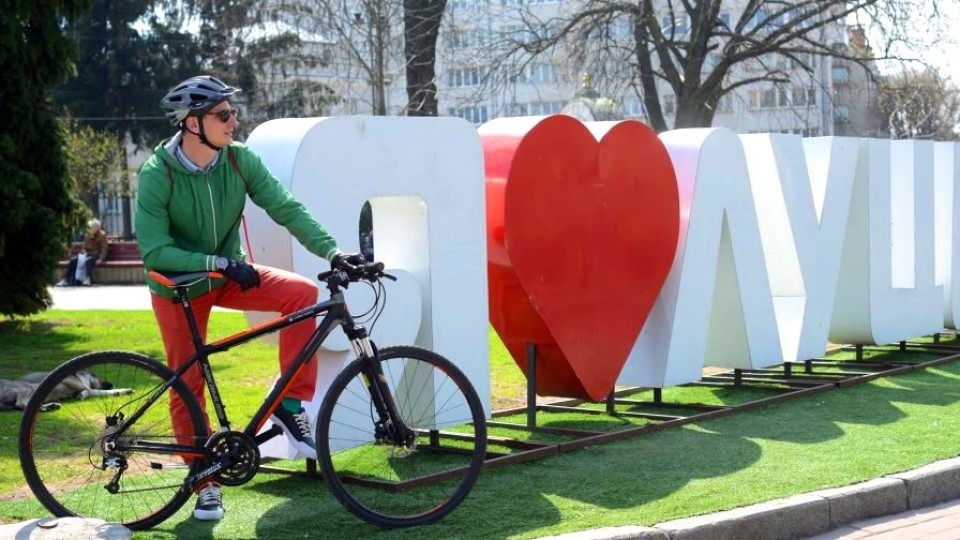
[
  {"x": 841, "y": 75},
  {"x": 768, "y": 100},
  {"x": 515, "y": 109},
  {"x": 799, "y": 97},
  {"x": 463, "y": 38},
  {"x": 675, "y": 24},
  {"x": 542, "y": 73},
  {"x": 725, "y": 20},
  {"x": 634, "y": 108},
  {"x": 669, "y": 104},
  {"x": 544, "y": 108},
  {"x": 474, "y": 115},
  {"x": 783, "y": 98},
  {"x": 517, "y": 34},
  {"x": 461, "y": 78}
]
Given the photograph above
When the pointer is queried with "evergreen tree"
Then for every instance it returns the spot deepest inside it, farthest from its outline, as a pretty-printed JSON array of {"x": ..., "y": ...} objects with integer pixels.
[{"x": 37, "y": 210}]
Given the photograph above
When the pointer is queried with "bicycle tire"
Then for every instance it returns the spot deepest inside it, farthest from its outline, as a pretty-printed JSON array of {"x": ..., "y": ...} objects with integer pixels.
[
  {"x": 350, "y": 460},
  {"x": 66, "y": 464}
]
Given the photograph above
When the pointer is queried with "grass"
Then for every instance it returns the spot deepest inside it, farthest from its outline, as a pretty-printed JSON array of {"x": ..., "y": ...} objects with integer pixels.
[{"x": 829, "y": 439}]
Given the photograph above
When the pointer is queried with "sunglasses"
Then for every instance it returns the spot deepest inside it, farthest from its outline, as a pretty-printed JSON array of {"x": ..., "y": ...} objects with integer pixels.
[{"x": 225, "y": 114}]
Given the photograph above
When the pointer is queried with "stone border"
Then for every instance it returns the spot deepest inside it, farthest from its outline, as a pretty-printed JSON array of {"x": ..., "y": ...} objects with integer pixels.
[{"x": 806, "y": 515}]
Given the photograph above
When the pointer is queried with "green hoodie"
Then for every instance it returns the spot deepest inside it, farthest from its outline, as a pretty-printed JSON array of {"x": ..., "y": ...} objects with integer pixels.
[{"x": 186, "y": 219}]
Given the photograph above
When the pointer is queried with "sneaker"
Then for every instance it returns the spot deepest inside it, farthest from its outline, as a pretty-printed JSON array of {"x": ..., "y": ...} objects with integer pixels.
[
  {"x": 62, "y": 283},
  {"x": 86, "y": 281},
  {"x": 209, "y": 505},
  {"x": 297, "y": 429}
]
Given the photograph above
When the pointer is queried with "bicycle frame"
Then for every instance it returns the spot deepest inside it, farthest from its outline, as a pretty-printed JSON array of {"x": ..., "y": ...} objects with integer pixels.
[{"x": 334, "y": 313}]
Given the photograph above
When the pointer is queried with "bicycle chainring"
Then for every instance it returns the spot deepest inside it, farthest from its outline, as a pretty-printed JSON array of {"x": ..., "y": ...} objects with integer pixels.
[{"x": 241, "y": 454}]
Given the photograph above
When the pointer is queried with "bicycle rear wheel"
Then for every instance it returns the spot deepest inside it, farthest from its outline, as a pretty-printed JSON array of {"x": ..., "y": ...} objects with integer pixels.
[
  {"x": 69, "y": 456},
  {"x": 401, "y": 486}
]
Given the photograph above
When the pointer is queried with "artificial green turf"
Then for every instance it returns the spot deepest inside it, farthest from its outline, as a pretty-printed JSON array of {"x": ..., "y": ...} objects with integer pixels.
[{"x": 829, "y": 439}]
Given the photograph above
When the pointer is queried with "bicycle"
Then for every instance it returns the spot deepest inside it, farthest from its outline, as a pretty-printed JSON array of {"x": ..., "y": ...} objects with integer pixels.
[{"x": 401, "y": 434}]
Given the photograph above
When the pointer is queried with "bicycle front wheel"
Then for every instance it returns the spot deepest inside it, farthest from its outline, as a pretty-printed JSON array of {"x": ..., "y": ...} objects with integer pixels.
[
  {"x": 75, "y": 463},
  {"x": 393, "y": 485}
]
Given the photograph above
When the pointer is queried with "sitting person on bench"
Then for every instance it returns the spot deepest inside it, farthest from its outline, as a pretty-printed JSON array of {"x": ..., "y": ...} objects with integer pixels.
[{"x": 80, "y": 268}]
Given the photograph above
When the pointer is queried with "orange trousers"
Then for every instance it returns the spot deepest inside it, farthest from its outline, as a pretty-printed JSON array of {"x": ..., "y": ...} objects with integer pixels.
[{"x": 279, "y": 291}]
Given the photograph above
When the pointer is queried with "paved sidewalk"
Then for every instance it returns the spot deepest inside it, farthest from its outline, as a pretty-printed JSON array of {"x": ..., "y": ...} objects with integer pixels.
[
  {"x": 940, "y": 522},
  {"x": 135, "y": 297}
]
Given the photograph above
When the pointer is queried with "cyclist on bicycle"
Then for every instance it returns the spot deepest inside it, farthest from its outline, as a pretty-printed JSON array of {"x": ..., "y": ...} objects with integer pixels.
[{"x": 192, "y": 192}]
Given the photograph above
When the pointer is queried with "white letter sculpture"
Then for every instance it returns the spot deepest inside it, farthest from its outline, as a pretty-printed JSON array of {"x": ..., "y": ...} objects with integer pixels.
[
  {"x": 946, "y": 176},
  {"x": 424, "y": 181},
  {"x": 802, "y": 189},
  {"x": 718, "y": 285},
  {"x": 886, "y": 291}
]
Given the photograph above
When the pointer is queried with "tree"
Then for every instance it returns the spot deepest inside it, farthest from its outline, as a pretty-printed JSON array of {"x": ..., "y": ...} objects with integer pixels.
[
  {"x": 94, "y": 162},
  {"x": 700, "y": 52},
  {"x": 364, "y": 46},
  {"x": 919, "y": 104},
  {"x": 264, "y": 49},
  {"x": 421, "y": 26},
  {"x": 123, "y": 70},
  {"x": 37, "y": 211}
]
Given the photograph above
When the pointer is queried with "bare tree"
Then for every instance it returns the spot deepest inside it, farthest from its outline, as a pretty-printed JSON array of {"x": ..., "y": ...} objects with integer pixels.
[
  {"x": 919, "y": 104},
  {"x": 700, "y": 52},
  {"x": 376, "y": 42}
]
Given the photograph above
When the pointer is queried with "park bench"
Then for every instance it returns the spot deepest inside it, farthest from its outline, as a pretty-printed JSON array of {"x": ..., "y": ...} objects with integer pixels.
[{"x": 123, "y": 265}]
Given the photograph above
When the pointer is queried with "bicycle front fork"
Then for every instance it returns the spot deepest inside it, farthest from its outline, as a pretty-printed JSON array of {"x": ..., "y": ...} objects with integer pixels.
[{"x": 390, "y": 427}]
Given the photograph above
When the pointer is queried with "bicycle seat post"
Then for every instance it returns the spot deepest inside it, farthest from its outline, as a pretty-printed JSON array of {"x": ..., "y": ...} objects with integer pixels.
[{"x": 184, "y": 300}]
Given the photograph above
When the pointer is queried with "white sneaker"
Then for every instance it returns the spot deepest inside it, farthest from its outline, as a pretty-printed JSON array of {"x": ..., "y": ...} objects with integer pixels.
[
  {"x": 62, "y": 283},
  {"x": 209, "y": 505},
  {"x": 86, "y": 281}
]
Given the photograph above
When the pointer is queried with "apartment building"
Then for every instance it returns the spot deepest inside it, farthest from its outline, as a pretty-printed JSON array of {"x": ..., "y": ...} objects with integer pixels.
[{"x": 475, "y": 81}]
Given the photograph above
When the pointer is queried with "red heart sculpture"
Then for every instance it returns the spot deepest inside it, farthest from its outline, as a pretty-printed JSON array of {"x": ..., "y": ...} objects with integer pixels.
[{"x": 580, "y": 237}]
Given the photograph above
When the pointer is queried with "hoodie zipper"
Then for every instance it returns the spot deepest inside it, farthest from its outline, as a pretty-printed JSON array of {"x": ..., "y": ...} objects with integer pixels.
[{"x": 213, "y": 210}]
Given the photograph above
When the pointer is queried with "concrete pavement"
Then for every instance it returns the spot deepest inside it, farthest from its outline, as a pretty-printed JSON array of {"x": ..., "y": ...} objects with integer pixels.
[{"x": 907, "y": 505}]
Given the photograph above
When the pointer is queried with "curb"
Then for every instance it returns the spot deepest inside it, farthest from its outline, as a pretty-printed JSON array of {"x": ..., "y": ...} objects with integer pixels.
[{"x": 803, "y": 516}]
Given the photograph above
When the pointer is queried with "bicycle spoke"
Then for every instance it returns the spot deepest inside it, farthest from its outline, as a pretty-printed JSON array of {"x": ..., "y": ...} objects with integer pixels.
[
  {"x": 68, "y": 464},
  {"x": 398, "y": 485}
]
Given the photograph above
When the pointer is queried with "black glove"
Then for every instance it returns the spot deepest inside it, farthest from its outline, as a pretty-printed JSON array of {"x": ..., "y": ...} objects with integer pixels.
[
  {"x": 244, "y": 274},
  {"x": 347, "y": 261}
]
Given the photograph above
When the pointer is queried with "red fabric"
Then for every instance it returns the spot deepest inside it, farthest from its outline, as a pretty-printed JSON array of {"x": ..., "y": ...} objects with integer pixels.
[{"x": 279, "y": 291}]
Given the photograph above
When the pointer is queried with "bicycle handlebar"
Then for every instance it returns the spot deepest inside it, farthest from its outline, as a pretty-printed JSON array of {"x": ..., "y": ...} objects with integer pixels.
[{"x": 343, "y": 277}]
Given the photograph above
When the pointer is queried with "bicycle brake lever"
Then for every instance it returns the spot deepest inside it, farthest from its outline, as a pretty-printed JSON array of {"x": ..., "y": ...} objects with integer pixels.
[{"x": 388, "y": 276}]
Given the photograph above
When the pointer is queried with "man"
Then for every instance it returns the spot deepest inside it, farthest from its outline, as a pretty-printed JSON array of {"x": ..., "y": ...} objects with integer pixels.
[
  {"x": 190, "y": 199},
  {"x": 80, "y": 268}
]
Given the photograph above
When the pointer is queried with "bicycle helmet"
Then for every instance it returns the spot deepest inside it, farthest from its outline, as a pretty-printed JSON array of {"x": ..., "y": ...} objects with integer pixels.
[{"x": 195, "y": 96}]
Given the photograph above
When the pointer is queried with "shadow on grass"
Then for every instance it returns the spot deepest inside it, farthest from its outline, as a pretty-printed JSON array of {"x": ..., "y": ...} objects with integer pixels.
[
  {"x": 519, "y": 498},
  {"x": 194, "y": 529},
  {"x": 819, "y": 418},
  {"x": 31, "y": 345}
]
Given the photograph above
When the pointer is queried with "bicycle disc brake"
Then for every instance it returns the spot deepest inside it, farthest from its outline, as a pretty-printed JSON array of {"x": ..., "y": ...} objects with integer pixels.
[{"x": 386, "y": 434}]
